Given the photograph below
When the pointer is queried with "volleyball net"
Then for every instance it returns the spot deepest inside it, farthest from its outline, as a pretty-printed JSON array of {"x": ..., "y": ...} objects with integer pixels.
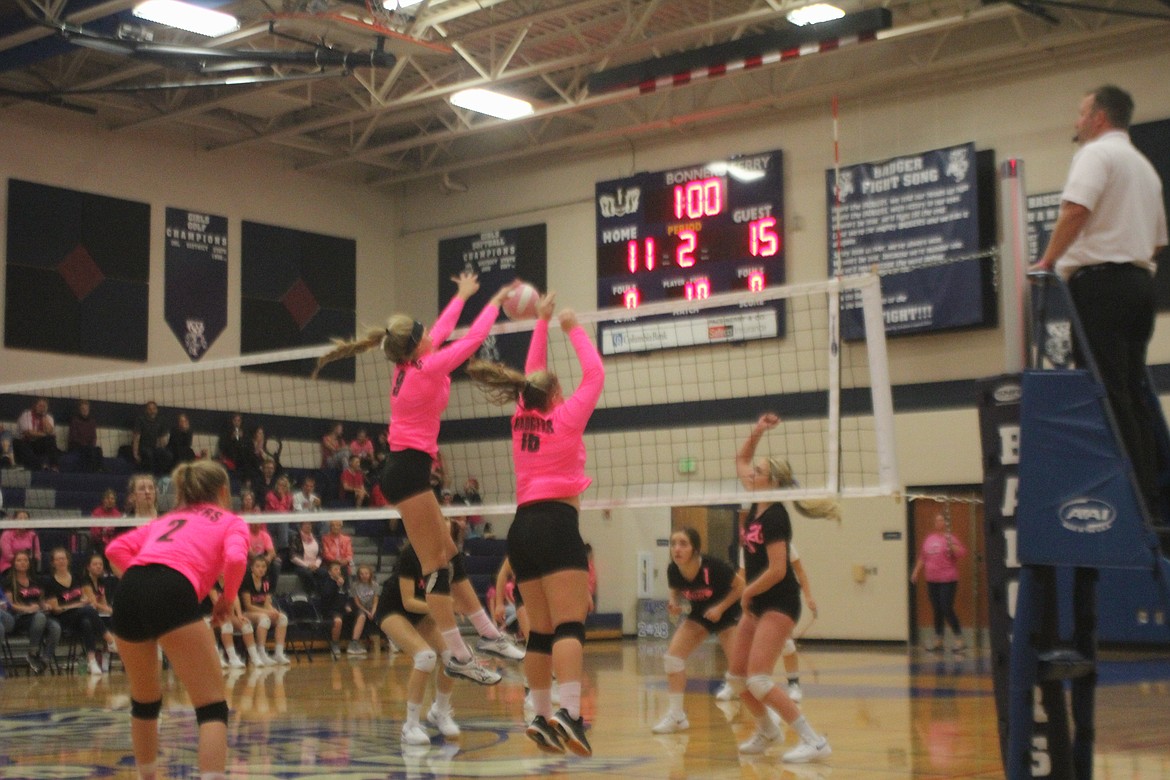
[{"x": 683, "y": 389}]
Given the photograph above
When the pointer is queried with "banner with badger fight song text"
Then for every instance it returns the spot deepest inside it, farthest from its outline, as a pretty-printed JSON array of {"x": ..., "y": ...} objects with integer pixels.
[{"x": 914, "y": 218}]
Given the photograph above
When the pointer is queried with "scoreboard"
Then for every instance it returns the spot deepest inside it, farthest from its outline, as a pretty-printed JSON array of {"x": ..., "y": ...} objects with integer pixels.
[{"x": 692, "y": 232}]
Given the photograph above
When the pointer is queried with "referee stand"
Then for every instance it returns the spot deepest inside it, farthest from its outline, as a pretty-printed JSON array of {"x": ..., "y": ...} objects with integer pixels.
[{"x": 1080, "y": 518}]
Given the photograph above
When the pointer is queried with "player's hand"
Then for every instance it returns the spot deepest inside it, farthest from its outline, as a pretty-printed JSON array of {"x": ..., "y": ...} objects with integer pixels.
[
  {"x": 568, "y": 319},
  {"x": 221, "y": 612},
  {"x": 674, "y": 610},
  {"x": 812, "y": 604},
  {"x": 502, "y": 293},
  {"x": 468, "y": 284},
  {"x": 713, "y": 614},
  {"x": 767, "y": 421},
  {"x": 546, "y": 305}
]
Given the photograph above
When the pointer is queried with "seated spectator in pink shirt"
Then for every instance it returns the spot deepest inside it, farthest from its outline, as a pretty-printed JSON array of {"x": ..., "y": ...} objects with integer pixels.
[
  {"x": 16, "y": 539},
  {"x": 99, "y": 535},
  {"x": 260, "y": 546},
  {"x": 83, "y": 438},
  {"x": 280, "y": 498},
  {"x": 363, "y": 447},
  {"x": 336, "y": 546},
  {"x": 353, "y": 483}
]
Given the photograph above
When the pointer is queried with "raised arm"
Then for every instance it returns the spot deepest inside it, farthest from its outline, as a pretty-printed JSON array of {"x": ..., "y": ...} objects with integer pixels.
[
  {"x": 538, "y": 347},
  {"x": 581, "y": 404},
  {"x": 747, "y": 451},
  {"x": 448, "y": 358}
]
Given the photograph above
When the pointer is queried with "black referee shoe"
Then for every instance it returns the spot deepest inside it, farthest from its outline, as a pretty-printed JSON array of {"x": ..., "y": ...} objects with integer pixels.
[
  {"x": 544, "y": 735},
  {"x": 572, "y": 732}
]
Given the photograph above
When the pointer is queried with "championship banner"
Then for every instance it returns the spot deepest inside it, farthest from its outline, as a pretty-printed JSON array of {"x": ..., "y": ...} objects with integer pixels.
[
  {"x": 498, "y": 256},
  {"x": 916, "y": 219},
  {"x": 1042, "y": 211},
  {"x": 196, "y": 278}
]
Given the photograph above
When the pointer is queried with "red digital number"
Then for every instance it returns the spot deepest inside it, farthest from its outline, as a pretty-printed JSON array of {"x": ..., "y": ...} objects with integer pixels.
[
  {"x": 756, "y": 281},
  {"x": 631, "y": 298},
  {"x": 684, "y": 256},
  {"x": 648, "y": 255},
  {"x": 698, "y": 289},
  {"x": 698, "y": 199},
  {"x": 763, "y": 240}
]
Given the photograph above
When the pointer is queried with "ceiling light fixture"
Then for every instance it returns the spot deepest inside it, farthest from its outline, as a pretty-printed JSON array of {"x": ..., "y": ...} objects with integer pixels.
[
  {"x": 491, "y": 103},
  {"x": 185, "y": 16},
  {"x": 814, "y": 14},
  {"x": 399, "y": 5}
]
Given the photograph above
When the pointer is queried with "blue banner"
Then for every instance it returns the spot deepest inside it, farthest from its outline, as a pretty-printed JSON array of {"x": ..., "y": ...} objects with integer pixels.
[
  {"x": 916, "y": 220},
  {"x": 1042, "y": 213},
  {"x": 196, "y": 278}
]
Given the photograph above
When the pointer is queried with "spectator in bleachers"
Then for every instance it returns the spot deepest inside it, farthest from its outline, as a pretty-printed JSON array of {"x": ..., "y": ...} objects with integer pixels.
[
  {"x": 306, "y": 499},
  {"x": 65, "y": 598},
  {"x": 99, "y": 586},
  {"x": 248, "y": 502},
  {"x": 148, "y": 441},
  {"x": 235, "y": 623},
  {"x": 363, "y": 597},
  {"x": 17, "y": 539},
  {"x": 334, "y": 452},
  {"x": 363, "y": 447},
  {"x": 7, "y": 621},
  {"x": 256, "y": 601},
  {"x": 142, "y": 497},
  {"x": 265, "y": 483},
  {"x": 99, "y": 535},
  {"x": 338, "y": 547},
  {"x": 335, "y": 607},
  {"x": 260, "y": 546},
  {"x": 381, "y": 448},
  {"x": 353, "y": 483},
  {"x": 36, "y": 447},
  {"x": 181, "y": 441},
  {"x": 7, "y": 454},
  {"x": 83, "y": 439},
  {"x": 233, "y": 442},
  {"x": 263, "y": 452},
  {"x": 28, "y": 605},
  {"x": 280, "y": 498},
  {"x": 305, "y": 557}
]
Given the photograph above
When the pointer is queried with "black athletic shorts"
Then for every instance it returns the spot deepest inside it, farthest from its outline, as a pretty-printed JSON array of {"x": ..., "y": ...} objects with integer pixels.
[
  {"x": 545, "y": 538},
  {"x": 414, "y": 617},
  {"x": 776, "y": 600},
  {"x": 730, "y": 618},
  {"x": 458, "y": 567},
  {"x": 406, "y": 474},
  {"x": 153, "y": 600}
]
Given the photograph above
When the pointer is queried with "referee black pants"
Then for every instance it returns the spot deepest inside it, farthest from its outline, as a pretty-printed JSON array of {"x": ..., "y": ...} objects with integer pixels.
[{"x": 1116, "y": 304}]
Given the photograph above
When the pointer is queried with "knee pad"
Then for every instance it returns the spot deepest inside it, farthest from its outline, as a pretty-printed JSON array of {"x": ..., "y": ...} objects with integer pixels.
[
  {"x": 759, "y": 685},
  {"x": 282, "y": 621},
  {"x": 264, "y": 623},
  {"x": 574, "y": 630},
  {"x": 439, "y": 581},
  {"x": 673, "y": 664},
  {"x": 210, "y": 713},
  {"x": 445, "y": 657},
  {"x": 227, "y": 629},
  {"x": 424, "y": 660},
  {"x": 736, "y": 683},
  {"x": 539, "y": 643},
  {"x": 789, "y": 648},
  {"x": 247, "y": 626},
  {"x": 145, "y": 710}
]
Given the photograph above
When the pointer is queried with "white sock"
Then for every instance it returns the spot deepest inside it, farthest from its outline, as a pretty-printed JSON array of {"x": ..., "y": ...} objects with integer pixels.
[
  {"x": 148, "y": 771},
  {"x": 278, "y": 650},
  {"x": 764, "y": 723},
  {"x": 412, "y": 712},
  {"x": 676, "y": 703},
  {"x": 442, "y": 701},
  {"x": 571, "y": 698},
  {"x": 456, "y": 645},
  {"x": 542, "y": 702},
  {"x": 801, "y": 727},
  {"x": 484, "y": 625},
  {"x": 253, "y": 653}
]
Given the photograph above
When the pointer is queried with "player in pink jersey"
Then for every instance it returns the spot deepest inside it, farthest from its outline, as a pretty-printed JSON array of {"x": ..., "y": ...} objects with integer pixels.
[
  {"x": 168, "y": 567},
  {"x": 419, "y": 390},
  {"x": 545, "y": 547}
]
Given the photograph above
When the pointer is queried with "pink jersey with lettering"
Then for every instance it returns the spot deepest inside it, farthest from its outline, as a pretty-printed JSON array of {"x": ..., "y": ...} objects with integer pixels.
[
  {"x": 197, "y": 541},
  {"x": 549, "y": 448},
  {"x": 419, "y": 390}
]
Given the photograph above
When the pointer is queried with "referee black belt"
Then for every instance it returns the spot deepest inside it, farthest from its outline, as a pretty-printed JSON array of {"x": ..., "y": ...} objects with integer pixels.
[{"x": 1097, "y": 268}]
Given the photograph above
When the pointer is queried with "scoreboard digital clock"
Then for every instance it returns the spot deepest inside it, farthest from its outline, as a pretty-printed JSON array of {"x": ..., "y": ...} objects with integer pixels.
[{"x": 692, "y": 232}]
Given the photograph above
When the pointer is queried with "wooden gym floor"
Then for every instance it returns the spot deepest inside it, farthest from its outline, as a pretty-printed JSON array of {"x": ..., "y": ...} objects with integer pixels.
[{"x": 888, "y": 714}]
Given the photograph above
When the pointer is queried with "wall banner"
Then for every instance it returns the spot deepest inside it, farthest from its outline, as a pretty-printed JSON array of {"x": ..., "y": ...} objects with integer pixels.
[
  {"x": 916, "y": 219},
  {"x": 196, "y": 278}
]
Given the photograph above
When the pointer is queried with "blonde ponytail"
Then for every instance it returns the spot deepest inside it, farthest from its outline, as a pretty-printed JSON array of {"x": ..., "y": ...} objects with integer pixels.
[{"x": 344, "y": 349}]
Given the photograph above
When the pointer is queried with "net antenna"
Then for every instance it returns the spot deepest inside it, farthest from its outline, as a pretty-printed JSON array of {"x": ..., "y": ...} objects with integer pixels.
[{"x": 665, "y": 432}]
